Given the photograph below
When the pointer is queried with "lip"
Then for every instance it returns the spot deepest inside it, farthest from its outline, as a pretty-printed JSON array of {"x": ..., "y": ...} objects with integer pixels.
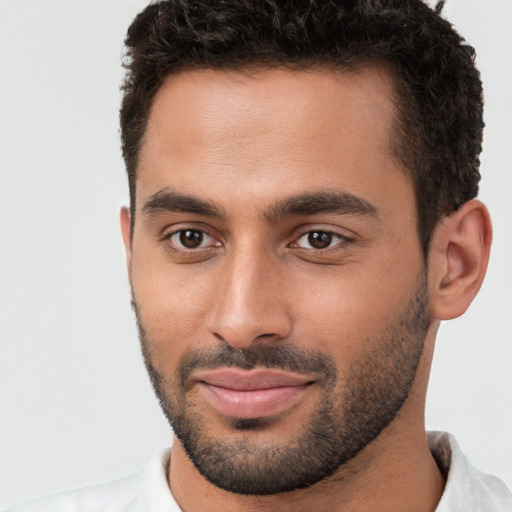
[{"x": 247, "y": 394}]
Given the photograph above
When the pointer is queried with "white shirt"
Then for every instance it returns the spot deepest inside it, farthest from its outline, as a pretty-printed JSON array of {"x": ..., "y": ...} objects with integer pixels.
[{"x": 467, "y": 489}]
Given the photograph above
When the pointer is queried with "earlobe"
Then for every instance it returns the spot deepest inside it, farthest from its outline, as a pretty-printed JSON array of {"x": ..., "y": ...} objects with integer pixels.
[
  {"x": 458, "y": 258},
  {"x": 124, "y": 218}
]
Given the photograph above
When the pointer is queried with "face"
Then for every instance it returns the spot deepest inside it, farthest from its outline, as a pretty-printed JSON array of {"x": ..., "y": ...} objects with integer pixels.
[{"x": 276, "y": 270}]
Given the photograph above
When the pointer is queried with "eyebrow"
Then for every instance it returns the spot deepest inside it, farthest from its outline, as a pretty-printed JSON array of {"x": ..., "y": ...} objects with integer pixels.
[
  {"x": 167, "y": 200},
  {"x": 342, "y": 203}
]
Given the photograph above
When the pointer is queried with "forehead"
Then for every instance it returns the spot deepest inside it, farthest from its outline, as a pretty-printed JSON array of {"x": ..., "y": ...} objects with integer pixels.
[{"x": 291, "y": 128}]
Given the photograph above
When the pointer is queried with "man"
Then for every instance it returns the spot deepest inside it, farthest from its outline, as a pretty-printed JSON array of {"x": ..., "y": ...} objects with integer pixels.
[{"x": 303, "y": 216}]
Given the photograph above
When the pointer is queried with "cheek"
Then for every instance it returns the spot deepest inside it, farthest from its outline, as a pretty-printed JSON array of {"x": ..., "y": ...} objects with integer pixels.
[
  {"x": 172, "y": 305},
  {"x": 345, "y": 312}
]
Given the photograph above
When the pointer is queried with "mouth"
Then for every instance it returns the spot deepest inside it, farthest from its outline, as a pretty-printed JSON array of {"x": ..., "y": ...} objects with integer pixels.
[{"x": 248, "y": 394}]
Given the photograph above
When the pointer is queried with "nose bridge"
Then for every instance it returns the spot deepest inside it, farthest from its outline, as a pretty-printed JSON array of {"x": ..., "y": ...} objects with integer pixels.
[{"x": 247, "y": 304}]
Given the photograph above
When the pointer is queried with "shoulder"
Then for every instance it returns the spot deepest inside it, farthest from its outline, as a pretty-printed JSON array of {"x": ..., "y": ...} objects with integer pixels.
[
  {"x": 144, "y": 491},
  {"x": 467, "y": 489},
  {"x": 118, "y": 496}
]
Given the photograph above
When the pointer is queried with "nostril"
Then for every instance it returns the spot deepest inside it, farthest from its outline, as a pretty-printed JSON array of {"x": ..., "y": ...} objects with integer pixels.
[
  {"x": 268, "y": 335},
  {"x": 219, "y": 337}
]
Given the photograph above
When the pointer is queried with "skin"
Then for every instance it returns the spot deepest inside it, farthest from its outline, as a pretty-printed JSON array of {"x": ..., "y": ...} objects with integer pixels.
[{"x": 245, "y": 142}]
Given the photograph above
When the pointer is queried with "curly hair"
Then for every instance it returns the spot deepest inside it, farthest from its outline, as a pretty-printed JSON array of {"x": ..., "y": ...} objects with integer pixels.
[{"x": 438, "y": 132}]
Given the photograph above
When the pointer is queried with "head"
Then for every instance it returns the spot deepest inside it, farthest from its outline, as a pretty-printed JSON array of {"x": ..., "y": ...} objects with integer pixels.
[{"x": 300, "y": 179}]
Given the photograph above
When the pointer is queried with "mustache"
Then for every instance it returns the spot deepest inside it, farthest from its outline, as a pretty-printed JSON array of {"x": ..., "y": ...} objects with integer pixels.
[{"x": 281, "y": 357}]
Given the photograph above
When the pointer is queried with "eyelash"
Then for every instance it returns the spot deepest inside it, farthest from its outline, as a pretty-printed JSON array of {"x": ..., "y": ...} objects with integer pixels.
[
  {"x": 342, "y": 242},
  {"x": 168, "y": 238}
]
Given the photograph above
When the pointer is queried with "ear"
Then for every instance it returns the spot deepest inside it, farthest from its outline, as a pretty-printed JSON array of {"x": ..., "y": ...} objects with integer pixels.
[
  {"x": 458, "y": 257},
  {"x": 124, "y": 218}
]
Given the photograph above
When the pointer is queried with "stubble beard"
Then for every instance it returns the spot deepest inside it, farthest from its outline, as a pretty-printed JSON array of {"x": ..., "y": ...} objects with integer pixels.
[{"x": 351, "y": 412}]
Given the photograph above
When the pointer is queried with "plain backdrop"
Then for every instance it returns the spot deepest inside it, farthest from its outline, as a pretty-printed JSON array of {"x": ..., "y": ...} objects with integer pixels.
[{"x": 75, "y": 404}]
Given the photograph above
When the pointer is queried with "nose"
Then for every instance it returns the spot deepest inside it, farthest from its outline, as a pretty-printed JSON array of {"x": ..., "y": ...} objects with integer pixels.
[{"x": 250, "y": 304}]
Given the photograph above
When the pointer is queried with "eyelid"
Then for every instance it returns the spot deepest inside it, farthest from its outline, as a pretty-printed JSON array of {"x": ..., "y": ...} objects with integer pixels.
[
  {"x": 170, "y": 232},
  {"x": 332, "y": 230},
  {"x": 345, "y": 239},
  {"x": 171, "y": 229}
]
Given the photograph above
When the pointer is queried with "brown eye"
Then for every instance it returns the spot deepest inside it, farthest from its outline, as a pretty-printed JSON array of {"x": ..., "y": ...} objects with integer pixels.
[
  {"x": 191, "y": 239},
  {"x": 319, "y": 239}
]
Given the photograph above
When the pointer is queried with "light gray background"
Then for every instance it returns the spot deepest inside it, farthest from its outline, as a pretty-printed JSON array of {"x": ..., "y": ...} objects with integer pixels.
[{"x": 75, "y": 404}]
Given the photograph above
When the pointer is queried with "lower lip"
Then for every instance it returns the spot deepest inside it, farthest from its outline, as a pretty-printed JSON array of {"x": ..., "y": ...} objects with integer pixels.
[{"x": 256, "y": 403}]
